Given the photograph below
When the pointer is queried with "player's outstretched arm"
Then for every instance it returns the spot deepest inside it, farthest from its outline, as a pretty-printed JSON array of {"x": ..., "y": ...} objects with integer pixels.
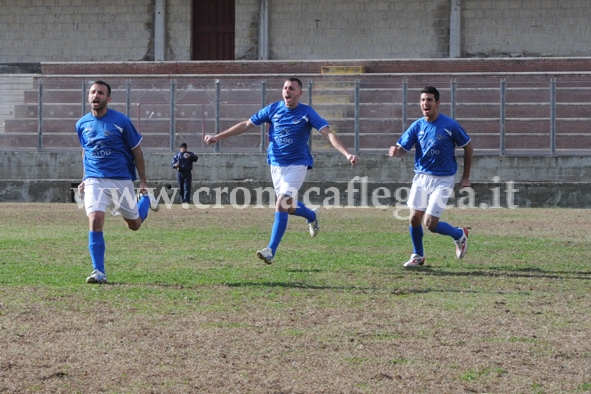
[
  {"x": 468, "y": 153},
  {"x": 237, "y": 129},
  {"x": 81, "y": 185},
  {"x": 337, "y": 144},
  {"x": 140, "y": 164}
]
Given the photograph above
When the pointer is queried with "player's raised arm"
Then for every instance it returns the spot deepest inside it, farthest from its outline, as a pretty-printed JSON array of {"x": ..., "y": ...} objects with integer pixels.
[
  {"x": 337, "y": 144},
  {"x": 237, "y": 129}
]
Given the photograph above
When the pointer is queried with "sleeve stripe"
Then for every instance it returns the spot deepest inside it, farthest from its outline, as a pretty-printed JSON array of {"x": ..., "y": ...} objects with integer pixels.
[{"x": 138, "y": 143}]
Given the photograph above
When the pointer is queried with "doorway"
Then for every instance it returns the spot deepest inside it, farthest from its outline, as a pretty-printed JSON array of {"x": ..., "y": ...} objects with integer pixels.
[{"x": 213, "y": 30}]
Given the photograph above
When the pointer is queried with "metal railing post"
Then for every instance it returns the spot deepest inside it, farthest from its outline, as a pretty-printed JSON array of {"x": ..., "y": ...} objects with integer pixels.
[
  {"x": 40, "y": 118},
  {"x": 404, "y": 101},
  {"x": 172, "y": 113},
  {"x": 502, "y": 119},
  {"x": 84, "y": 98},
  {"x": 356, "y": 146},
  {"x": 553, "y": 116},
  {"x": 310, "y": 104},
  {"x": 216, "y": 147},
  {"x": 128, "y": 99},
  {"x": 453, "y": 99},
  {"x": 263, "y": 102}
]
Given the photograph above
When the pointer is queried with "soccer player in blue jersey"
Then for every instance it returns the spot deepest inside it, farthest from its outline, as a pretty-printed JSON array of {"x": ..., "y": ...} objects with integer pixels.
[
  {"x": 435, "y": 137},
  {"x": 289, "y": 156},
  {"x": 111, "y": 154}
]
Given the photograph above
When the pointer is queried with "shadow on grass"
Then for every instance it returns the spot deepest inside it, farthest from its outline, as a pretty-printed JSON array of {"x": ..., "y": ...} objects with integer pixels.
[
  {"x": 531, "y": 273},
  {"x": 305, "y": 271},
  {"x": 360, "y": 289}
]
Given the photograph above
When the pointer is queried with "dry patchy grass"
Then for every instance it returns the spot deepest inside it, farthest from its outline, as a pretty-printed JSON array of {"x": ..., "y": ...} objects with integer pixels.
[{"x": 189, "y": 308}]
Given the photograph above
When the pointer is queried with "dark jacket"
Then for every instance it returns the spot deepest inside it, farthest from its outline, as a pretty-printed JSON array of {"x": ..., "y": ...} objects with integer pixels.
[{"x": 185, "y": 163}]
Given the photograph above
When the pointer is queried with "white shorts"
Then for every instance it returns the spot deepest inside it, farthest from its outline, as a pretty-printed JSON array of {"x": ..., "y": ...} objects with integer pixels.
[
  {"x": 288, "y": 180},
  {"x": 117, "y": 194},
  {"x": 430, "y": 193}
]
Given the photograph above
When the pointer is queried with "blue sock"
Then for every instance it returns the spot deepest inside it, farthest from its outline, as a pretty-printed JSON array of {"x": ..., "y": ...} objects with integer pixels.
[
  {"x": 447, "y": 229},
  {"x": 416, "y": 235},
  {"x": 96, "y": 247},
  {"x": 305, "y": 212},
  {"x": 278, "y": 230},
  {"x": 143, "y": 206}
]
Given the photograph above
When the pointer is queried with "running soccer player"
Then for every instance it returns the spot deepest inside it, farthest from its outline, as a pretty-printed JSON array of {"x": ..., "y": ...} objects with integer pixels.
[
  {"x": 288, "y": 155},
  {"x": 435, "y": 137},
  {"x": 111, "y": 153}
]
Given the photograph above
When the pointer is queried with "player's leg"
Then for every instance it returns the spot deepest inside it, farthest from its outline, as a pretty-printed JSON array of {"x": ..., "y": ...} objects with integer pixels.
[
  {"x": 188, "y": 181},
  {"x": 292, "y": 179},
  {"x": 417, "y": 204},
  {"x": 180, "y": 180},
  {"x": 311, "y": 216},
  {"x": 134, "y": 212},
  {"x": 437, "y": 204},
  {"x": 286, "y": 181},
  {"x": 416, "y": 231},
  {"x": 280, "y": 224},
  {"x": 96, "y": 202}
]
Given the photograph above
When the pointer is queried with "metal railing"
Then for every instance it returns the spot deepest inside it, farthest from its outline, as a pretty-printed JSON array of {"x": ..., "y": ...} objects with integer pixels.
[{"x": 540, "y": 114}]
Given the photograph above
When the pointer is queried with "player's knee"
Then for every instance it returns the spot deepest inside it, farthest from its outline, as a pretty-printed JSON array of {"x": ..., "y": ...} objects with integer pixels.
[
  {"x": 431, "y": 224},
  {"x": 415, "y": 220},
  {"x": 134, "y": 225}
]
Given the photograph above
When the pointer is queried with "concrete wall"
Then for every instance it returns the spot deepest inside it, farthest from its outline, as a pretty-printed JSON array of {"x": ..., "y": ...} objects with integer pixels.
[
  {"x": 525, "y": 28},
  {"x": 227, "y": 167},
  {"x": 501, "y": 181},
  {"x": 123, "y": 30}
]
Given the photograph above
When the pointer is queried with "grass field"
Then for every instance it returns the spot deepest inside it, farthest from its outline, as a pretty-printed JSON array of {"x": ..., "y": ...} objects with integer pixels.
[{"x": 190, "y": 309}]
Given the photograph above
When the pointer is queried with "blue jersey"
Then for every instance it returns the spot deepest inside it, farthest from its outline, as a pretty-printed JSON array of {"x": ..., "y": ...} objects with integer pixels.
[
  {"x": 289, "y": 132},
  {"x": 435, "y": 144},
  {"x": 107, "y": 143}
]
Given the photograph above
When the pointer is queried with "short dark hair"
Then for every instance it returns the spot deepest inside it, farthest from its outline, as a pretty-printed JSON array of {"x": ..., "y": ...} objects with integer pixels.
[
  {"x": 99, "y": 82},
  {"x": 183, "y": 145},
  {"x": 294, "y": 79},
  {"x": 431, "y": 90}
]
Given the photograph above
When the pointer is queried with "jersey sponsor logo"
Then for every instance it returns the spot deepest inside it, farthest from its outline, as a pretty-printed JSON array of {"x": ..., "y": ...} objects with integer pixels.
[
  {"x": 100, "y": 153},
  {"x": 304, "y": 118},
  {"x": 282, "y": 138},
  {"x": 429, "y": 151}
]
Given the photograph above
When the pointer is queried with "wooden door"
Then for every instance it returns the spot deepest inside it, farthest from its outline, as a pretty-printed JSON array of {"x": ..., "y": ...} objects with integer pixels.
[{"x": 213, "y": 29}]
